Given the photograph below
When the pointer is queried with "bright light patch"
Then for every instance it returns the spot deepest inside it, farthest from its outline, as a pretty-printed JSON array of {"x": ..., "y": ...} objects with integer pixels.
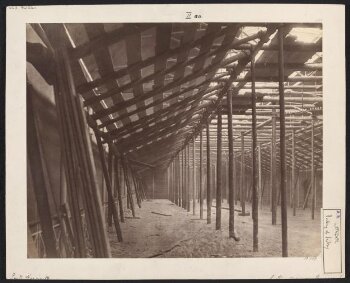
[
  {"x": 148, "y": 100},
  {"x": 131, "y": 108},
  {"x": 307, "y": 35},
  {"x": 134, "y": 118}
]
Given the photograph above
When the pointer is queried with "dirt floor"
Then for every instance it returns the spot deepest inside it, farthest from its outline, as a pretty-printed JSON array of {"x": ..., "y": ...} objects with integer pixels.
[{"x": 181, "y": 234}]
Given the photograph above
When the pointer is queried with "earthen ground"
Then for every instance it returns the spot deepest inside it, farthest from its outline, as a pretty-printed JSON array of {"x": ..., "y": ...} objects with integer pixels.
[{"x": 184, "y": 235}]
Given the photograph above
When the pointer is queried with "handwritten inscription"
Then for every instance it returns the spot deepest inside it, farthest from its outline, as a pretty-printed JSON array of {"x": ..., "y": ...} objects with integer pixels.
[
  {"x": 331, "y": 240},
  {"x": 28, "y": 276},
  {"x": 279, "y": 276},
  {"x": 22, "y": 7}
]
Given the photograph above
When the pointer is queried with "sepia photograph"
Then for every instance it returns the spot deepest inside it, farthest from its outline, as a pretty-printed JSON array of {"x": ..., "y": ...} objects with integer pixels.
[
  {"x": 175, "y": 142},
  {"x": 174, "y": 139}
]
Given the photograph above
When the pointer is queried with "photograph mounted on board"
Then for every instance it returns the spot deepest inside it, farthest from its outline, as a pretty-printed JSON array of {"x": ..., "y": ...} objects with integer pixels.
[{"x": 174, "y": 140}]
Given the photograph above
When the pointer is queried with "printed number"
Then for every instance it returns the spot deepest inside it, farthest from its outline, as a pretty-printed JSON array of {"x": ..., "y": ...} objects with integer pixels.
[{"x": 189, "y": 16}]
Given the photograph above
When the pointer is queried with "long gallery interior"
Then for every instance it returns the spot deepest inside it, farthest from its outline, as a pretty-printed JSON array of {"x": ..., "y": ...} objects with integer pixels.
[{"x": 174, "y": 139}]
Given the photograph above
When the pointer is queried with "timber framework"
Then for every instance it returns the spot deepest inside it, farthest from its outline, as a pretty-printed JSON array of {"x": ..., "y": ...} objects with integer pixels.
[{"x": 140, "y": 122}]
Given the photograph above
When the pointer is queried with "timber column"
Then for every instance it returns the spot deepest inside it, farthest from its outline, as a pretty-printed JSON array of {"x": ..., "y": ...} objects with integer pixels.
[
  {"x": 231, "y": 168},
  {"x": 282, "y": 142},
  {"x": 273, "y": 168},
  {"x": 218, "y": 170},
  {"x": 208, "y": 177},
  {"x": 255, "y": 199},
  {"x": 200, "y": 175}
]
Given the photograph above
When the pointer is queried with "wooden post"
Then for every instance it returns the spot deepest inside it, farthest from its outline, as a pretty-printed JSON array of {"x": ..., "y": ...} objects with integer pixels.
[
  {"x": 92, "y": 199},
  {"x": 224, "y": 179},
  {"x": 194, "y": 177},
  {"x": 182, "y": 179},
  {"x": 171, "y": 182},
  {"x": 188, "y": 177},
  {"x": 138, "y": 199},
  {"x": 218, "y": 170},
  {"x": 109, "y": 187},
  {"x": 128, "y": 187},
  {"x": 63, "y": 182},
  {"x": 184, "y": 204},
  {"x": 153, "y": 184},
  {"x": 293, "y": 187},
  {"x": 119, "y": 191},
  {"x": 313, "y": 187},
  {"x": 208, "y": 177},
  {"x": 243, "y": 191},
  {"x": 273, "y": 169},
  {"x": 168, "y": 182},
  {"x": 298, "y": 184},
  {"x": 200, "y": 175},
  {"x": 236, "y": 181},
  {"x": 110, "y": 201},
  {"x": 255, "y": 195},
  {"x": 66, "y": 144},
  {"x": 231, "y": 169},
  {"x": 39, "y": 186},
  {"x": 260, "y": 177},
  {"x": 282, "y": 142},
  {"x": 176, "y": 179}
]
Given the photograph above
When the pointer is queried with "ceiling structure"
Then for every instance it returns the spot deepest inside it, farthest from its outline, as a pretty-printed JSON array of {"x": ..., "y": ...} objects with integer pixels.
[{"x": 152, "y": 88}]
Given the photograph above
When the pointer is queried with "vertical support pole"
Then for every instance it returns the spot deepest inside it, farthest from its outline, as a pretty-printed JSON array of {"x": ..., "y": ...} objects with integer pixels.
[
  {"x": 236, "y": 184},
  {"x": 188, "y": 183},
  {"x": 271, "y": 176},
  {"x": 194, "y": 177},
  {"x": 152, "y": 183},
  {"x": 313, "y": 187},
  {"x": 260, "y": 176},
  {"x": 176, "y": 179},
  {"x": 282, "y": 142},
  {"x": 208, "y": 176},
  {"x": 168, "y": 182},
  {"x": 255, "y": 196},
  {"x": 119, "y": 191},
  {"x": 128, "y": 187},
  {"x": 111, "y": 203},
  {"x": 183, "y": 179},
  {"x": 224, "y": 172},
  {"x": 136, "y": 187},
  {"x": 218, "y": 170},
  {"x": 63, "y": 182},
  {"x": 200, "y": 175},
  {"x": 298, "y": 184},
  {"x": 293, "y": 187},
  {"x": 172, "y": 181},
  {"x": 40, "y": 189},
  {"x": 179, "y": 180},
  {"x": 231, "y": 165},
  {"x": 102, "y": 247},
  {"x": 242, "y": 198},
  {"x": 273, "y": 168}
]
